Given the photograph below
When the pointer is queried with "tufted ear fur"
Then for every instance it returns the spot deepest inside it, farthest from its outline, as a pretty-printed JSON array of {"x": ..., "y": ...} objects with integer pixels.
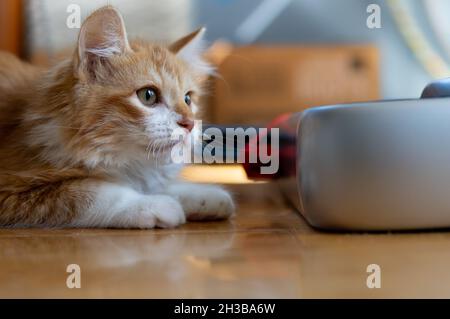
[
  {"x": 102, "y": 36},
  {"x": 190, "y": 48}
]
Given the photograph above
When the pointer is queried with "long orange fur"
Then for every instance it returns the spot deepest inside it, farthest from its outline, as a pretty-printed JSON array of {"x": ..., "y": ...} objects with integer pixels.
[{"x": 45, "y": 178}]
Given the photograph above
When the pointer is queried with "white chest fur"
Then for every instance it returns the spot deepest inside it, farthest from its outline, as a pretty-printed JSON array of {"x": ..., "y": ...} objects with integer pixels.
[{"x": 148, "y": 179}]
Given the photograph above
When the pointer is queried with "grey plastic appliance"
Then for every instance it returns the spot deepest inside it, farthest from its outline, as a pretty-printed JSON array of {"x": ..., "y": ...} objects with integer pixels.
[{"x": 375, "y": 166}]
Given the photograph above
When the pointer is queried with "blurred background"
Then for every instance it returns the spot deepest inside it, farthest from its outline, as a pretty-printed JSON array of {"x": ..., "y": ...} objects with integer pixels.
[{"x": 274, "y": 56}]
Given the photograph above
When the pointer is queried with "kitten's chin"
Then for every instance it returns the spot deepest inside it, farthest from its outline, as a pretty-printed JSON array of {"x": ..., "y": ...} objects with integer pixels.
[
  {"x": 162, "y": 149},
  {"x": 169, "y": 147}
]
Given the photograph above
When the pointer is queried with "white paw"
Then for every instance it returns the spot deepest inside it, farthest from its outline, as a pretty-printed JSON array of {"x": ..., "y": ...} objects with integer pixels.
[
  {"x": 204, "y": 202},
  {"x": 117, "y": 206},
  {"x": 168, "y": 212},
  {"x": 156, "y": 211}
]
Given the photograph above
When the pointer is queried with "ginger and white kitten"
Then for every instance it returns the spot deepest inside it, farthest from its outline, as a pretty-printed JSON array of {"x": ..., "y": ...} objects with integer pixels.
[{"x": 87, "y": 143}]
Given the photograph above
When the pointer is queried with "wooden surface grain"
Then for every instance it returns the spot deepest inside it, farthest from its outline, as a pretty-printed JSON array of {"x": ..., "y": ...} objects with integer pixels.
[{"x": 266, "y": 251}]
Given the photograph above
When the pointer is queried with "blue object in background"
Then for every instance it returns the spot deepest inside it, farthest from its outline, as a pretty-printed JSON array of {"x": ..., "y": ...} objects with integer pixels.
[{"x": 328, "y": 22}]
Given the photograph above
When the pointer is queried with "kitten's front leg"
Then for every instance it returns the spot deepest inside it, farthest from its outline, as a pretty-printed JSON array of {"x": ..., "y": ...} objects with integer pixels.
[
  {"x": 88, "y": 203},
  {"x": 121, "y": 207},
  {"x": 203, "y": 202}
]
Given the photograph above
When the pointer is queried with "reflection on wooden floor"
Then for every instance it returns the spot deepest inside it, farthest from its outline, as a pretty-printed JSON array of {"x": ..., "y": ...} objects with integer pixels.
[{"x": 266, "y": 251}]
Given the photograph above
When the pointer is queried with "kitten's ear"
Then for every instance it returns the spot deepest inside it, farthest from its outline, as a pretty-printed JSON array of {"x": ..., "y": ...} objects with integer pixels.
[
  {"x": 102, "y": 35},
  {"x": 191, "y": 49}
]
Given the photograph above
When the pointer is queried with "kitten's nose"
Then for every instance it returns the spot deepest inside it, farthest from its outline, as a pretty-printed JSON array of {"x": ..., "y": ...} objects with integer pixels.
[{"x": 186, "y": 123}]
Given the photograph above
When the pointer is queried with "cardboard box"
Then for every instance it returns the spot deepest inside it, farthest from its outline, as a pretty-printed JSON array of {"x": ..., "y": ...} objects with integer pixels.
[{"x": 257, "y": 83}]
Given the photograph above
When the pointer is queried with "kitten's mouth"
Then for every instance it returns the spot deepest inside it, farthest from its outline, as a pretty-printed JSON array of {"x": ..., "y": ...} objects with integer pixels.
[
  {"x": 161, "y": 148},
  {"x": 167, "y": 146},
  {"x": 170, "y": 145}
]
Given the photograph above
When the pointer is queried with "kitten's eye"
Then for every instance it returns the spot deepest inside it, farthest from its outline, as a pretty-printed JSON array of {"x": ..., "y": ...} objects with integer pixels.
[
  {"x": 147, "y": 96},
  {"x": 187, "y": 99}
]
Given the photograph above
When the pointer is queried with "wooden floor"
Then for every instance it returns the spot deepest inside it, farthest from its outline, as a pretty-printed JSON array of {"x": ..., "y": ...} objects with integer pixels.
[{"x": 266, "y": 251}]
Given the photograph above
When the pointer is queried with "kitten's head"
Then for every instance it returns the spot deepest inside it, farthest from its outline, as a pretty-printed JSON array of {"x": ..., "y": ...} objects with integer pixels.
[{"x": 131, "y": 96}]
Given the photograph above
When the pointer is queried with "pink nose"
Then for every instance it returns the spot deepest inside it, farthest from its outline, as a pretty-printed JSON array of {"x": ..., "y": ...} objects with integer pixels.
[{"x": 186, "y": 123}]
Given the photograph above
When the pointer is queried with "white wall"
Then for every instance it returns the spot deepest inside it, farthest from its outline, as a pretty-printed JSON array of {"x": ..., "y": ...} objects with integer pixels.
[{"x": 149, "y": 19}]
